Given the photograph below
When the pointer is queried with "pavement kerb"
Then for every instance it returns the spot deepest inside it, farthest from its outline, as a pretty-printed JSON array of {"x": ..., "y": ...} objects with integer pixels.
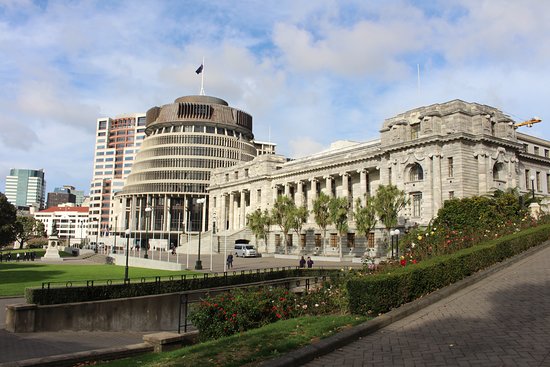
[
  {"x": 331, "y": 343},
  {"x": 68, "y": 360}
]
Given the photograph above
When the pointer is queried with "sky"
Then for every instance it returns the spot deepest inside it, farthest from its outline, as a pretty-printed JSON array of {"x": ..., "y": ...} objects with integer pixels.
[{"x": 309, "y": 72}]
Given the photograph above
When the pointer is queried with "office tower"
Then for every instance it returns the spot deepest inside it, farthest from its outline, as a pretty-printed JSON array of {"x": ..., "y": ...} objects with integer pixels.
[
  {"x": 26, "y": 187},
  {"x": 117, "y": 141}
]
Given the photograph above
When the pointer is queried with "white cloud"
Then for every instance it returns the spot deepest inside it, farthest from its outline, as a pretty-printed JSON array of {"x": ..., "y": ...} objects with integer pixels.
[{"x": 309, "y": 72}]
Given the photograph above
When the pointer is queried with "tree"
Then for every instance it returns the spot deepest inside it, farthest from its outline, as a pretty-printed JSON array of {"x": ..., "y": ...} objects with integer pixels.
[
  {"x": 365, "y": 217},
  {"x": 254, "y": 222},
  {"x": 300, "y": 218},
  {"x": 267, "y": 221},
  {"x": 388, "y": 201},
  {"x": 321, "y": 214},
  {"x": 338, "y": 210},
  {"x": 8, "y": 216},
  {"x": 27, "y": 228},
  {"x": 283, "y": 215}
]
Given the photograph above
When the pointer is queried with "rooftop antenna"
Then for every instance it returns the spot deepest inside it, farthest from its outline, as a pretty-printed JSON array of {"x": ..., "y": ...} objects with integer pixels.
[{"x": 200, "y": 71}]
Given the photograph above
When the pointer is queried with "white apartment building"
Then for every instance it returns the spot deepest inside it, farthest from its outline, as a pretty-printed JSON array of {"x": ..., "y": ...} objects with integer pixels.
[{"x": 71, "y": 223}]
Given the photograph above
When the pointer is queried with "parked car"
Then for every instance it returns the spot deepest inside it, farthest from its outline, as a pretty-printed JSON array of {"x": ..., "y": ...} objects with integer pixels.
[{"x": 244, "y": 249}]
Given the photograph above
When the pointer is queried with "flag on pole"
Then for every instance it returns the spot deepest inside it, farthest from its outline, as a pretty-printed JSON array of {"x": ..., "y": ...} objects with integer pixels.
[{"x": 199, "y": 70}]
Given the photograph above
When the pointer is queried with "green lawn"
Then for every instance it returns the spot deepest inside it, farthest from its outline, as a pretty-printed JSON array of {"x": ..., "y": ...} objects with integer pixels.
[
  {"x": 16, "y": 276},
  {"x": 248, "y": 348}
]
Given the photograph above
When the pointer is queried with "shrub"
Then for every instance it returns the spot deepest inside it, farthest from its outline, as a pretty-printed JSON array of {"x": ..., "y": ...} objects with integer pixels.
[
  {"x": 375, "y": 294},
  {"x": 243, "y": 309}
]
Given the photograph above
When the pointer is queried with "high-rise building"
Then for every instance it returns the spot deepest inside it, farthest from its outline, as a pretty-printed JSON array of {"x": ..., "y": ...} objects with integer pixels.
[
  {"x": 26, "y": 187},
  {"x": 61, "y": 195},
  {"x": 117, "y": 141}
]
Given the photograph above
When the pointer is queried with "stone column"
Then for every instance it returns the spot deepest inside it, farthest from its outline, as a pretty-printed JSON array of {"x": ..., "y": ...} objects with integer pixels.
[
  {"x": 311, "y": 198},
  {"x": 287, "y": 189},
  {"x": 345, "y": 184},
  {"x": 328, "y": 185},
  {"x": 300, "y": 194},
  {"x": 242, "y": 216},
  {"x": 223, "y": 213},
  {"x": 231, "y": 210},
  {"x": 274, "y": 190}
]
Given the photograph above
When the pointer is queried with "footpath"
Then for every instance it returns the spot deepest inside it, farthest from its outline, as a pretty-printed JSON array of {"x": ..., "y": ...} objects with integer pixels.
[{"x": 497, "y": 317}]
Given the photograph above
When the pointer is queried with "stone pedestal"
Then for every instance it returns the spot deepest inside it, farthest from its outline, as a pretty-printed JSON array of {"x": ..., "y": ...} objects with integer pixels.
[
  {"x": 52, "y": 252},
  {"x": 534, "y": 209}
]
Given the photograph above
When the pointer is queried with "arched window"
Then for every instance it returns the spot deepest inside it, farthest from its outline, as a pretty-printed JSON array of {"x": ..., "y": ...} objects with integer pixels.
[
  {"x": 498, "y": 172},
  {"x": 416, "y": 173}
]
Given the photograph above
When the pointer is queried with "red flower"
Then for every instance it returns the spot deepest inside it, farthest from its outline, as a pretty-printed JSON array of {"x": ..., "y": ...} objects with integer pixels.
[{"x": 278, "y": 316}]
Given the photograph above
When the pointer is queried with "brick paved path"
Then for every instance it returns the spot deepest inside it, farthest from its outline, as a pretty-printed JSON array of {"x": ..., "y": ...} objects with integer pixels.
[{"x": 503, "y": 320}]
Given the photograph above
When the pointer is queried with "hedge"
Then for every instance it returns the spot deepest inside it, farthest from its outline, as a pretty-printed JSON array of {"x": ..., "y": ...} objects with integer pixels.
[
  {"x": 90, "y": 292},
  {"x": 380, "y": 293}
]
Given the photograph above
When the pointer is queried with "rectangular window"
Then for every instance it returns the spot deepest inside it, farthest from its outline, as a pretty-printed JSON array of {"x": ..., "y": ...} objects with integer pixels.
[
  {"x": 289, "y": 239},
  {"x": 451, "y": 167},
  {"x": 370, "y": 240},
  {"x": 536, "y": 150},
  {"x": 333, "y": 239},
  {"x": 526, "y": 148},
  {"x": 226, "y": 177},
  {"x": 548, "y": 183},
  {"x": 259, "y": 196},
  {"x": 546, "y": 153},
  {"x": 451, "y": 194},
  {"x": 277, "y": 240},
  {"x": 415, "y": 131},
  {"x": 537, "y": 177},
  {"x": 318, "y": 240},
  {"x": 389, "y": 175},
  {"x": 246, "y": 172},
  {"x": 303, "y": 240},
  {"x": 527, "y": 179},
  {"x": 417, "y": 204}
]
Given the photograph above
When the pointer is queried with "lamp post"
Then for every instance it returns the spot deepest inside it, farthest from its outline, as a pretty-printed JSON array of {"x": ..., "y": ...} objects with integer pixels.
[
  {"x": 198, "y": 264},
  {"x": 391, "y": 238},
  {"x": 114, "y": 245},
  {"x": 533, "y": 186},
  {"x": 96, "y": 234},
  {"x": 212, "y": 239},
  {"x": 147, "y": 214},
  {"x": 126, "y": 279}
]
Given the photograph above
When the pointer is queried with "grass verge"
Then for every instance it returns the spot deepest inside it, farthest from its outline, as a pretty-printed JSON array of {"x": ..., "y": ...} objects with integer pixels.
[
  {"x": 16, "y": 276},
  {"x": 251, "y": 347}
]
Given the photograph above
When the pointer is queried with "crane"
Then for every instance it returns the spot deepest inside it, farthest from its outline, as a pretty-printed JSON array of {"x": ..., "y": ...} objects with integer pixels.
[{"x": 528, "y": 123}]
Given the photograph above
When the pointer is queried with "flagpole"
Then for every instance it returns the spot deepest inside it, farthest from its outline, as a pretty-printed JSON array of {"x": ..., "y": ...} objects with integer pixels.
[{"x": 202, "y": 78}]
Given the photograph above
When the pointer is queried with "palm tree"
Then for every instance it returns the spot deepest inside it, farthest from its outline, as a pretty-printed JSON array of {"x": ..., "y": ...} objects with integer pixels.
[
  {"x": 365, "y": 217},
  {"x": 339, "y": 216},
  {"x": 300, "y": 218},
  {"x": 254, "y": 222},
  {"x": 321, "y": 214},
  {"x": 388, "y": 201},
  {"x": 283, "y": 215}
]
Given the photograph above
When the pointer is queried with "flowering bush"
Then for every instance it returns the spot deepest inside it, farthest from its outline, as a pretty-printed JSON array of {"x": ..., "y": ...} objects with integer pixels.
[{"x": 244, "y": 309}]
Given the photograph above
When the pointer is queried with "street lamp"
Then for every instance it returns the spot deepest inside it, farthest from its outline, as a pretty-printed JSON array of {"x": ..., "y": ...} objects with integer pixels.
[
  {"x": 114, "y": 245},
  {"x": 126, "y": 279},
  {"x": 96, "y": 234},
  {"x": 533, "y": 186},
  {"x": 147, "y": 214},
  {"x": 395, "y": 233},
  {"x": 198, "y": 264}
]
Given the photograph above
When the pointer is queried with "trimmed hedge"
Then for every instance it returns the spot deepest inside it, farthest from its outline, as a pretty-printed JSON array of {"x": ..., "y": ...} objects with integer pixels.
[
  {"x": 69, "y": 294},
  {"x": 380, "y": 293}
]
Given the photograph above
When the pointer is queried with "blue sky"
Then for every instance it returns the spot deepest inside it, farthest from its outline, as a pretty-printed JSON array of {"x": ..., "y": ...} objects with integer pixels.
[{"x": 310, "y": 72}]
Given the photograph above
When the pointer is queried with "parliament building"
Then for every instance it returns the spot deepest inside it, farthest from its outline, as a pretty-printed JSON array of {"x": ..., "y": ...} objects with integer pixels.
[{"x": 199, "y": 169}]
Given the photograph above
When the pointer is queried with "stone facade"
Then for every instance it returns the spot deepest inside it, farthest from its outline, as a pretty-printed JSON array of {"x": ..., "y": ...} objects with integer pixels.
[{"x": 450, "y": 150}]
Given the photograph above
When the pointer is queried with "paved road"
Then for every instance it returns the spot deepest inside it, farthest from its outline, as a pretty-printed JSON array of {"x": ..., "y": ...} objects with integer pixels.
[{"x": 503, "y": 320}]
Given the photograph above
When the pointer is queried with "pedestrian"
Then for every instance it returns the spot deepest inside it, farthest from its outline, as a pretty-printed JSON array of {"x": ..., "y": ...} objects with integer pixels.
[
  {"x": 309, "y": 262},
  {"x": 230, "y": 261},
  {"x": 18, "y": 257},
  {"x": 302, "y": 262}
]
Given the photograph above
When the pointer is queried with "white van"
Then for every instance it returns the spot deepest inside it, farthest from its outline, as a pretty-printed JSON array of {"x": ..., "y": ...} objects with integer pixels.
[{"x": 243, "y": 249}]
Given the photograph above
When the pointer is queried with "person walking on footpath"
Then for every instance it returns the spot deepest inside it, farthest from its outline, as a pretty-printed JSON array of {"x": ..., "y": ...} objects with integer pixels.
[
  {"x": 302, "y": 262},
  {"x": 309, "y": 262},
  {"x": 230, "y": 261}
]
